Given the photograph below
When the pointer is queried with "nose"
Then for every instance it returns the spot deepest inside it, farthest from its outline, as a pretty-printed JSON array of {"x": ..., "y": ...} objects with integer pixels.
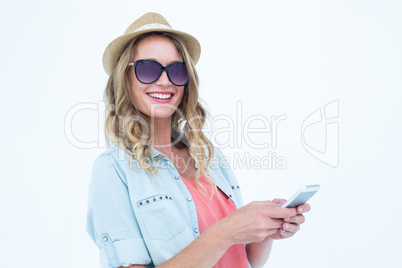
[{"x": 163, "y": 80}]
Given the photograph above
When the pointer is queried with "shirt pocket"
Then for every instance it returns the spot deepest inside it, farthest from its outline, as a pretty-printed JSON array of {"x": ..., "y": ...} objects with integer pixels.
[{"x": 162, "y": 219}]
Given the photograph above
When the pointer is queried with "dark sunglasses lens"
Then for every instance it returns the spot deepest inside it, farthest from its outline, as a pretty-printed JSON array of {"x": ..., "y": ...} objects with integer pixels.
[
  {"x": 147, "y": 71},
  {"x": 178, "y": 74}
]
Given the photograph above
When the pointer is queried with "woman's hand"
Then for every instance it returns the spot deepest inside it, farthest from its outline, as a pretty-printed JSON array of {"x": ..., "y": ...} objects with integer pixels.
[
  {"x": 254, "y": 222},
  {"x": 291, "y": 224},
  {"x": 250, "y": 223}
]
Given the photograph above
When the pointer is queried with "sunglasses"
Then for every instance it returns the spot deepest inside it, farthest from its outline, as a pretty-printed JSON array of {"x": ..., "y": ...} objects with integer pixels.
[{"x": 148, "y": 71}]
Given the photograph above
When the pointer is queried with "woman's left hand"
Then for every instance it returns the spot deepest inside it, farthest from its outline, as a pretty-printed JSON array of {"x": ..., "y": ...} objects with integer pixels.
[{"x": 290, "y": 225}]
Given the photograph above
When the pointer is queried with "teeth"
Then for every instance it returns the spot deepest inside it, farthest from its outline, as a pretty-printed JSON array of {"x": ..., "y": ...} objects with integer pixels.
[{"x": 160, "y": 96}]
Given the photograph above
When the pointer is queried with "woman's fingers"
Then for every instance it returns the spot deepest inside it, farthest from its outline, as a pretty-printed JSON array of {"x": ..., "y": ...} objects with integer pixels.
[
  {"x": 260, "y": 219},
  {"x": 300, "y": 209},
  {"x": 272, "y": 210},
  {"x": 275, "y": 224},
  {"x": 279, "y": 201},
  {"x": 282, "y": 213},
  {"x": 285, "y": 234},
  {"x": 292, "y": 218},
  {"x": 271, "y": 232},
  {"x": 299, "y": 219},
  {"x": 303, "y": 208},
  {"x": 290, "y": 227}
]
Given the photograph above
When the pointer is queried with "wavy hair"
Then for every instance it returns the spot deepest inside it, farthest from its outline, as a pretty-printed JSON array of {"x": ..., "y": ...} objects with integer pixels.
[{"x": 131, "y": 128}]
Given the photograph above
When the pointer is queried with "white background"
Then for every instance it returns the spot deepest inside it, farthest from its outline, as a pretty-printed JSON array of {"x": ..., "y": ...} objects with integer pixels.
[{"x": 278, "y": 58}]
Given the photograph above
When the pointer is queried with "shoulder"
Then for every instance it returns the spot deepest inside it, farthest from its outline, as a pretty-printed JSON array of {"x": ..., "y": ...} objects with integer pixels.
[
  {"x": 114, "y": 161},
  {"x": 107, "y": 159},
  {"x": 117, "y": 155},
  {"x": 112, "y": 152}
]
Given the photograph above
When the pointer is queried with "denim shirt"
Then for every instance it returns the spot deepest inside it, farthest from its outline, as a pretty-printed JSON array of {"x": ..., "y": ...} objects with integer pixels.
[{"x": 136, "y": 219}]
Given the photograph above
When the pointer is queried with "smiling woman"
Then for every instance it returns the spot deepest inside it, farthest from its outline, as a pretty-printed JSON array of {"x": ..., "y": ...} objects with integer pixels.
[
  {"x": 194, "y": 215},
  {"x": 160, "y": 89}
]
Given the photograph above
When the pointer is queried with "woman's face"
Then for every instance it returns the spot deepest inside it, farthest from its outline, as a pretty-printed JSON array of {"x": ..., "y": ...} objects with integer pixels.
[{"x": 162, "y": 50}]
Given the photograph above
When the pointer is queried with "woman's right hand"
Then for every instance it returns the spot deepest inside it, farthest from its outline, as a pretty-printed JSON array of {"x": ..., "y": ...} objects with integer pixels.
[{"x": 254, "y": 222}]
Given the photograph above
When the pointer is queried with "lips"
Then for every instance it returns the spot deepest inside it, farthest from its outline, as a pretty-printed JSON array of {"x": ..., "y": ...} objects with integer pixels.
[{"x": 162, "y": 97}]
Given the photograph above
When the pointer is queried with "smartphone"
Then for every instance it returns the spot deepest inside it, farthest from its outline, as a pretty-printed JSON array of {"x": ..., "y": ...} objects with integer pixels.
[{"x": 301, "y": 196}]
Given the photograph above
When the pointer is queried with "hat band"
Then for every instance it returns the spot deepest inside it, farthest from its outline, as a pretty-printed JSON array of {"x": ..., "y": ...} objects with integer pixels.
[{"x": 153, "y": 26}]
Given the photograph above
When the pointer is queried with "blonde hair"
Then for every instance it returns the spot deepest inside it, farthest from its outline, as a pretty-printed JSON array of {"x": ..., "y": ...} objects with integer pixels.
[{"x": 130, "y": 127}]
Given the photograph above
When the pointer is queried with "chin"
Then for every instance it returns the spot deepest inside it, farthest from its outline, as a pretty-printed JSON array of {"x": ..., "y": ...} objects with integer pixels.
[
  {"x": 162, "y": 115},
  {"x": 163, "y": 111}
]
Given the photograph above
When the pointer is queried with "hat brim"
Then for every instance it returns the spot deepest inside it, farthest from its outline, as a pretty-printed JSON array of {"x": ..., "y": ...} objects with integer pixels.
[{"x": 115, "y": 48}]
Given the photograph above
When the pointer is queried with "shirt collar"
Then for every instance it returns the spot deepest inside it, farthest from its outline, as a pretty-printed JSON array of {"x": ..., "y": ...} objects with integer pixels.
[{"x": 175, "y": 135}]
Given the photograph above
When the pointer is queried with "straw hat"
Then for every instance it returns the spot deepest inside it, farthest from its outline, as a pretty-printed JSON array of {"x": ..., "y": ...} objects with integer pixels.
[{"x": 150, "y": 22}]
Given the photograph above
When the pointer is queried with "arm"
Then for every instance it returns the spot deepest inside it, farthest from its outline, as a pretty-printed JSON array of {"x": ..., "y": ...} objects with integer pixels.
[
  {"x": 256, "y": 224},
  {"x": 111, "y": 222},
  {"x": 256, "y": 230},
  {"x": 201, "y": 252},
  {"x": 251, "y": 223},
  {"x": 258, "y": 253}
]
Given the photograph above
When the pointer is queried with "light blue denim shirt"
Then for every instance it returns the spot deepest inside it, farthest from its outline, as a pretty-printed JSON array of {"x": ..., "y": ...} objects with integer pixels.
[{"x": 136, "y": 219}]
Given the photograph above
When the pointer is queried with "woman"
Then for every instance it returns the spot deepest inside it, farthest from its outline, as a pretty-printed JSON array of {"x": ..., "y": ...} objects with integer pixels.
[{"x": 163, "y": 195}]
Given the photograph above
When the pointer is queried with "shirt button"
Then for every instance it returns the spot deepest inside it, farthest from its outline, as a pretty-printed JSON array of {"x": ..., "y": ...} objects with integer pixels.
[
  {"x": 189, "y": 199},
  {"x": 196, "y": 230},
  {"x": 105, "y": 239},
  {"x": 177, "y": 177}
]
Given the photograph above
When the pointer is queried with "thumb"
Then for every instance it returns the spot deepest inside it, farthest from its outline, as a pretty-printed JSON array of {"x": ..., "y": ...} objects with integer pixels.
[{"x": 279, "y": 201}]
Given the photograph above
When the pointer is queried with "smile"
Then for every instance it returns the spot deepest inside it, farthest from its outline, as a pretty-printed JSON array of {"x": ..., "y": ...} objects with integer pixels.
[{"x": 160, "y": 96}]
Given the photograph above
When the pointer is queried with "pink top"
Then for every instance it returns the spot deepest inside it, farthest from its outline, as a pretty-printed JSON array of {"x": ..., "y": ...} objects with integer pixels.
[{"x": 208, "y": 214}]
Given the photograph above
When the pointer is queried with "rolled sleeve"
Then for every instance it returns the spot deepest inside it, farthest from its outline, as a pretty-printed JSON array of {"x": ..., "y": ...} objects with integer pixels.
[{"x": 111, "y": 222}]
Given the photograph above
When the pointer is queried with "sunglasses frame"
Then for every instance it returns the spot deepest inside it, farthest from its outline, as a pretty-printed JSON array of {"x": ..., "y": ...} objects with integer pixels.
[{"x": 163, "y": 68}]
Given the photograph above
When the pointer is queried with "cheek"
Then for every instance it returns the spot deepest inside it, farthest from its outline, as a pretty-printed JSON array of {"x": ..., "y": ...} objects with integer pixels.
[
  {"x": 136, "y": 88},
  {"x": 138, "y": 96}
]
